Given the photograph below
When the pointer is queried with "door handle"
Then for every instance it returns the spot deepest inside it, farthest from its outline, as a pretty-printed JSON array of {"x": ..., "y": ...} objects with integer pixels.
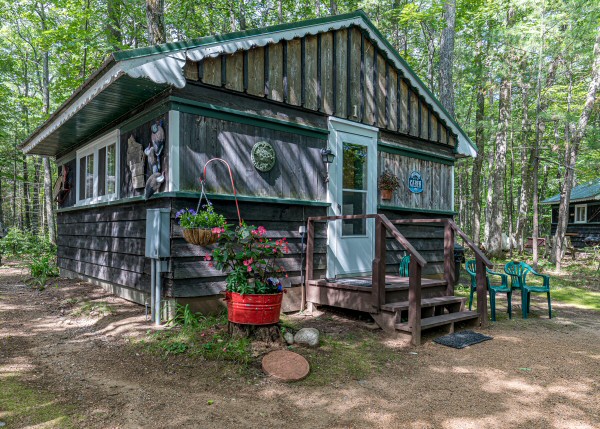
[{"x": 339, "y": 208}]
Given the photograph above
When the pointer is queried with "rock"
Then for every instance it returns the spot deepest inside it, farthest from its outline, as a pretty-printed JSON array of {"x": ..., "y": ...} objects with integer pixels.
[
  {"x": 289, "y": 338},
  {"x": 307, "y": 337}
]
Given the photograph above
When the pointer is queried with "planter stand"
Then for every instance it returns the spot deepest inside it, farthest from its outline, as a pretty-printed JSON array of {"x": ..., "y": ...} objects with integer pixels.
[{"x": 265, "y": 333}]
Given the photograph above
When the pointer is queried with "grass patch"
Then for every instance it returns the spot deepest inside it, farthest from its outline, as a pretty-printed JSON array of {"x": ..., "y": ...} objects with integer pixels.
[
  {"x": 199, "y": 337},
  {"x": 352, "y": 357},
  {"x": 22, "y": 406}
]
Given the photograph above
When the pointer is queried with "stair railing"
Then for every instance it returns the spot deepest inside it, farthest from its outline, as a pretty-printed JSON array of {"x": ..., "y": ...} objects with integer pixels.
[
  {"x": 450, "y": 228},
  {"x": 382, "y": 226}
]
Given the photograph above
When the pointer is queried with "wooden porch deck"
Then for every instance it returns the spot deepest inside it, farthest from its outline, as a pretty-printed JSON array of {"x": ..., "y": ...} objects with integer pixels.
[{"x": 400, "y": 304}]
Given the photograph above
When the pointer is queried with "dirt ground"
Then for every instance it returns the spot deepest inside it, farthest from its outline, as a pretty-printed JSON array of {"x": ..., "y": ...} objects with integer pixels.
[{"x": 537, "y": 373}]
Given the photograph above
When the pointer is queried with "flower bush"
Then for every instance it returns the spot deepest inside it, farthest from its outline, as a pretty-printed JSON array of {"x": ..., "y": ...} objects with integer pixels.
[
  {"x": 388, "y": 181},
  {"x": 207, "y": 218},
  {"x": 250, "y": 259}
]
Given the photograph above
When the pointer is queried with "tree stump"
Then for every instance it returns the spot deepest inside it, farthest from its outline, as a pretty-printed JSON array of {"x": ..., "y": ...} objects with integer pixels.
[{"x": 265, "y": 333}]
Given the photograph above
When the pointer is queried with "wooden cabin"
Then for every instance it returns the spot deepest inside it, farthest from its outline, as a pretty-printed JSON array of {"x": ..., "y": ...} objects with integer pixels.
[
  {"x": 329, "y": 83},
  {"x": 583, "y": 228}
]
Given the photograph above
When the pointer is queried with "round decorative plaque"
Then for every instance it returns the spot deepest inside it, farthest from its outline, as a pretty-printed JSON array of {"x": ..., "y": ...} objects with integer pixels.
[{"x": 263, "y": 156}]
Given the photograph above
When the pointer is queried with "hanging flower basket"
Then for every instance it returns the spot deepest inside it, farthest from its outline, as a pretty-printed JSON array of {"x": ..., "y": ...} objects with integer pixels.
[
  {"x": 200, "y": 236},
  {"x": 202, "y": 227}
]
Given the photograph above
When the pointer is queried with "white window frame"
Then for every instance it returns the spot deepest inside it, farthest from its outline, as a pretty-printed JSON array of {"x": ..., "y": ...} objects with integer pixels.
[
  {"x": 584, "y": 206},
  {"x": 93, "y": 148}
]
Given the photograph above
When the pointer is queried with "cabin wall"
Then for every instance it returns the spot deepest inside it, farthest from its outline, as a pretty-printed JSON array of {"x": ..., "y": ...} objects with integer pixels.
[
  {"x": 579, "y": 231},
  {"x": 428, "y": 240},
  {"x": 107, "y": 243},
  {"x": 340, "y": 73},
  {"x": 142, "y": 134},
  {"x": 299, "y": 172},
  {"x": 191, "y": 276},
  {"x": 437, "y": 182}
]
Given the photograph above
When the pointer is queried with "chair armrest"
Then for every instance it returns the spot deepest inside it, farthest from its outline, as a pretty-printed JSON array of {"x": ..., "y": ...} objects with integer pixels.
[
  {"x": 504, "y": 277},
  {"x": 546, "y": 277}
]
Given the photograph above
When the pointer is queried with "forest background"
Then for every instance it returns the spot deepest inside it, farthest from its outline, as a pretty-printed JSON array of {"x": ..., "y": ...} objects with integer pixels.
[{"x": 520, "y": 76}]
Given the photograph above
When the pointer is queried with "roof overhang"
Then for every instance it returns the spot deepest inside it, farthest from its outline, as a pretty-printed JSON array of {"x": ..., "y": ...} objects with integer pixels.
[{"x": 135, "y": 76}]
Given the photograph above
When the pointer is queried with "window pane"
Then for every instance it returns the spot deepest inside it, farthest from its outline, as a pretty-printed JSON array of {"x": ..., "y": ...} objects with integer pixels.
[
  {"x": 82, "y": 178},
  {"x": 101, "y": 171},
  {"x": 89, "y": 176},
  {"x": 354, "y": 203},
  {"x": 355, "y": 167},
  {"x": 111, "y": 169}
]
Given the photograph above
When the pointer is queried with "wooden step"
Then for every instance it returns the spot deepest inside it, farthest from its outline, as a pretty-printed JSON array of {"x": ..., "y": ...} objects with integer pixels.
[
  {"x": 429, "y": 302},
  {"x": 444, "y": 319}
]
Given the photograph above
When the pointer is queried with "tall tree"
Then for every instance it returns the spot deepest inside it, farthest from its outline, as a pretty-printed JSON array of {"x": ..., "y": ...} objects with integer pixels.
[
  {"x": 447, "y": 57},
  {"x": 578, "y": 132},
  {"x": 155, "y": 19}
]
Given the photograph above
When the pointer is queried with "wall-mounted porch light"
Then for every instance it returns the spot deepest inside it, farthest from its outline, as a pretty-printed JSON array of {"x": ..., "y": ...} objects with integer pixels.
[{"x": 327, "y": 157}]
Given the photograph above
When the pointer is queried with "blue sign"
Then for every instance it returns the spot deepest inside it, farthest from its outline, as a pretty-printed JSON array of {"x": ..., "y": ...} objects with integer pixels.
[{"x": 415, "y": 182}]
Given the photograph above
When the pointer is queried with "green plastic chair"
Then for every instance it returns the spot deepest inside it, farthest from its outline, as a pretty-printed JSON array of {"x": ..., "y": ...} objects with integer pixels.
[
  {"x": 518, "y": 280},
  {"x": 492, "y": 288},
  {"x": 404, "y": 265}
]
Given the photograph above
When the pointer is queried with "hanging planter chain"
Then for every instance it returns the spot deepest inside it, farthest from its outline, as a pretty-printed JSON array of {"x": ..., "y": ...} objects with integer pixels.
[{"x": 203, "y": 182}]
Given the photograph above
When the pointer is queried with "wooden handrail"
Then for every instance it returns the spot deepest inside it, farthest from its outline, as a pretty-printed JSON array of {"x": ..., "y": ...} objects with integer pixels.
[{"x": 472, "y": 245}]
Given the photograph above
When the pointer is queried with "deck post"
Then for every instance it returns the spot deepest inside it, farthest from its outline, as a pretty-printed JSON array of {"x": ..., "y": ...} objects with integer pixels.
[
  {"x": 310, "y": 250},
  {"x": 480, "y": 274},
  {"x": 414, "y": 301},
  {"x": 449, "y": 266},
  {"x": 378, "y": 269}
]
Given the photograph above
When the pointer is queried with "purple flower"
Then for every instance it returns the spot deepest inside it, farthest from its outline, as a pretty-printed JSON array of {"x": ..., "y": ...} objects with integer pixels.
[
  {"x": 192, "y": 212},
  {"x": 179, "y": 213},
  {"x": 280, "y": 288}
]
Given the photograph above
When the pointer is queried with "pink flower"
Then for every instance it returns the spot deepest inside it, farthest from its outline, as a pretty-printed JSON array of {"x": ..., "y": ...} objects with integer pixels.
[
  {"x": 262, "y": 230},
  {"x": 248, "y": 263},
  {"x": 207, "y": 258}
]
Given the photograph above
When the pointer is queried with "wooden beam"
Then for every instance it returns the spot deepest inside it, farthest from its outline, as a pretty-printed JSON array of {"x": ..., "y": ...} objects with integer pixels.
[
  {"x": 310, "y": 250},
  {"x": 319, "y": 86},
  {"x": 334, "y": 71},
  {"x": 246, "y": 71},
  {"x": 348, "y": 75},
  {"x": 449, "y": 266},
  {"x": 414, "y": 301},
  {"x": 378, "y": 269},
  {"x": 285, "y": 78},
  {"x": 303, "y": 71},
  {"x": 362, "y": 78},
  {"x": 480, "y": 276},
  {"x": 266, "y": 70}
]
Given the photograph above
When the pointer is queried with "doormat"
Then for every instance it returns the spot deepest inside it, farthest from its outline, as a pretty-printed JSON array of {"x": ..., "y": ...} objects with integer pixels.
[{"x": 460, "y": 340}]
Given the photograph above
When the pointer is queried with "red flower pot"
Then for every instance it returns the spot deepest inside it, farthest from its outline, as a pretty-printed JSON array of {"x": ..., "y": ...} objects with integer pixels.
[{"x": 253, "y": 309}]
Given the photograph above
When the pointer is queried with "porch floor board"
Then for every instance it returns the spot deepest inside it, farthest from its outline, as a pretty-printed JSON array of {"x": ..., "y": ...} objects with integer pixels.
[{"x": 392, "y": 283}]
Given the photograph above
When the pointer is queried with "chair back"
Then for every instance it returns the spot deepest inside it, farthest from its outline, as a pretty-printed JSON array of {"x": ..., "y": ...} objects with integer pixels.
[
  {"x": 470, "y": 267},
  {"x": 517, "y": 272},
  {"x": 404, "y": 266}
]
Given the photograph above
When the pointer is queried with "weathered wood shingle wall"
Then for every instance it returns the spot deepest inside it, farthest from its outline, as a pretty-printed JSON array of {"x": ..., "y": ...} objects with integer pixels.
[
  {"x": 437, "y": 182},
  {"x": 190, "y": 275},
  {"x": 299, "y": 172},
  {"x": 107, "y": 243},
  {"x": 339, "y": 73}
]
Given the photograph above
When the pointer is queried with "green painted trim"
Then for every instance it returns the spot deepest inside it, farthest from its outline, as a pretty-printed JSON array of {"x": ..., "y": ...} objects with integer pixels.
[
  {"x": 246, "y": 198},
  {"x": 210, "y": 110},
  {"x": 408, "y": 209},
  {"x": 264, "y": 31},
  {"x": 412, "y": 153},
  {"x": 143, "y": 117},
  {"x": 104, "y": 204}
]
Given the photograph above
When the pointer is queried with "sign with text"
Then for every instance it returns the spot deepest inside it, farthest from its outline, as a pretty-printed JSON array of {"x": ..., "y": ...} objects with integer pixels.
[{"x": 415, "y": 182}]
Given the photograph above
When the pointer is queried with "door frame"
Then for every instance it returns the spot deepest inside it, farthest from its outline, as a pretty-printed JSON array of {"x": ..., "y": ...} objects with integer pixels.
[{"x": 367, "y": 135}]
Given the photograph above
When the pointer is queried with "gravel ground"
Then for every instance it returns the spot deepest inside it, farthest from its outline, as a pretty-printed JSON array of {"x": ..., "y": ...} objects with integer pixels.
[{"x": 537, "y": 373}]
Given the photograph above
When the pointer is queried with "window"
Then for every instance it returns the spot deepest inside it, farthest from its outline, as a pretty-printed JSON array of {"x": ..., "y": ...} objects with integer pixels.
[
  {"x": 581, "y": 213},
  {"x": 97, "y": 170},
  {"x": 354, "y": 193}
]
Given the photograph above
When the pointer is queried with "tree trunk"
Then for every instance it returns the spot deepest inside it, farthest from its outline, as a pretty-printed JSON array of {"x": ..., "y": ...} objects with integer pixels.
[
  {"x": 526, "y": 162},
  {"x": 113, "y": 27},
  {"x": 26, "y": 196},
  {"x": 577, "y": 136},
  {"x": 36, "y": 218},
  {"x": 480, "y": 143},
  {"x": 494, "y": 243},
  {"x": 155, "y": 18},
  {"x": 447, "y": 57},
  {"x": 50, "y": 221}
]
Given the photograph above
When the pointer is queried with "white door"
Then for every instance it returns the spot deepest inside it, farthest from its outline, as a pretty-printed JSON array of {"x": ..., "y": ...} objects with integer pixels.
[{"x": 352, "y": 190}]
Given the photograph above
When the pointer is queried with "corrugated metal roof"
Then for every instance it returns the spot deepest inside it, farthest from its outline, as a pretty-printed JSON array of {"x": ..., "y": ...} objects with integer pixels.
[
  {"x": 587, "y": 191},
  {"x": 162, "y": 66}
]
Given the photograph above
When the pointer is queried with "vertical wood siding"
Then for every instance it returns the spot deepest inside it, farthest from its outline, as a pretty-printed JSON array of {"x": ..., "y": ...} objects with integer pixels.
[
  {"x": 298, "y": 173},
  {"x": 437, "y": 182},
  {"x": 340, "y": 73}
]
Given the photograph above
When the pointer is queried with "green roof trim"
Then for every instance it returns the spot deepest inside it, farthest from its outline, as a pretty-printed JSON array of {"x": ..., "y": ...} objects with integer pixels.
[
  {"x": 228, "y": 37},
  {"x": 584, "y": 192}
]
